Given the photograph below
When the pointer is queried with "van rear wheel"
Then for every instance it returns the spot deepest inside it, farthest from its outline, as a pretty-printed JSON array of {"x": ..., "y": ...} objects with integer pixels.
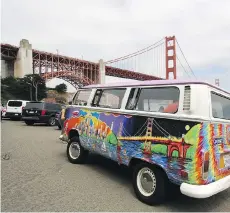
[
  {"x": 149, "y": 183},
  {"x": 75, "y": 152}
]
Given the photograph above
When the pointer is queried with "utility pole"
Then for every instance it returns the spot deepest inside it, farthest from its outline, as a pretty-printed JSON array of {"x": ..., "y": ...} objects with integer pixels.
[{"x": 31, "y": 84}]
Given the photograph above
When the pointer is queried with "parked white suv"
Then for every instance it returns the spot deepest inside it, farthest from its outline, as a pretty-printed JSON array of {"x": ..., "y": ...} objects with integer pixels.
[{"x": 14, "y": 108}]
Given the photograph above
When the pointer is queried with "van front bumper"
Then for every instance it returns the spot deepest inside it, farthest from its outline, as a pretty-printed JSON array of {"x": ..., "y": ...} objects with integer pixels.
[{"x": 205, "y": 191}]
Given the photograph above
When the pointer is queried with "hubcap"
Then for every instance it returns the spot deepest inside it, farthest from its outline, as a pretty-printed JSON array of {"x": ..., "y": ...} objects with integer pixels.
[
  {"x": 146, "y": 181},
  {"x": 74, "y": 150},
  {"x": 52, "y": 121}
]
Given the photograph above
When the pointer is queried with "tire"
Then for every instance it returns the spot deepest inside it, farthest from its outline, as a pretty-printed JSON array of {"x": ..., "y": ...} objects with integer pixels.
[
  {"x": 82, "y": 154},
  {"x": 52, "y": 121},
  {"x": 158, "y": 193},
  {"x": 29, "y": 123}
]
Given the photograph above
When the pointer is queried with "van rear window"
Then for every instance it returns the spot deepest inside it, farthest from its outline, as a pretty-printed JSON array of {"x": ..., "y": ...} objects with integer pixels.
[
  {"x": 220, "y": 106},
  {"x": 34, "y": 105},
  {"x": 15, "y": 103}
]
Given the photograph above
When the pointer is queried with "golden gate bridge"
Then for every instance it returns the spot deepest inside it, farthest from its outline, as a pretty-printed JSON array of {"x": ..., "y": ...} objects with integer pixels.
[{"x": 155, "y": 62}]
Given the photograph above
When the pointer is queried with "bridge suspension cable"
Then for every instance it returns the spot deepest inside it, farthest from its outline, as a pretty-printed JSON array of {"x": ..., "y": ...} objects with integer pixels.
[
  {"x": 185, "y": 58},
  {"x": 186, "y": 68},
  {"x": 146, "y": 49},
  {"x": 149, "y": 60},
  {"x": 139, "y": 132},
  {"x": 163, "y": 131}
]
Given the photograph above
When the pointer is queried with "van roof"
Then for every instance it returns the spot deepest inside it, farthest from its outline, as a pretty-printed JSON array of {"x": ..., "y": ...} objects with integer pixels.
[
  {"x": 17, "y": 100},
  {"x": 152, "y": 83}
]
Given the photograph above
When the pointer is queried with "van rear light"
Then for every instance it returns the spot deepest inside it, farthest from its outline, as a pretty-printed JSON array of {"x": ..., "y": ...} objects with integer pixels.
[
  {"x": 205, "y": 165},
  {"x": 43, "y": 112}
]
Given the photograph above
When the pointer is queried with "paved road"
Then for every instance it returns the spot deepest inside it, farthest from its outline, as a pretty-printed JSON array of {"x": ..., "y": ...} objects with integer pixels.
[{"x": 36, "y": 176}]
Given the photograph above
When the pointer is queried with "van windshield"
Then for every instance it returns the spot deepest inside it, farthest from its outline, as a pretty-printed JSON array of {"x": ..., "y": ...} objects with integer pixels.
[
  {"x": 34, "y": 105},
  {"x": 82, "y": 97},
  {"x": 15, "y": 103},
  {"x": 220, "y": 106}
]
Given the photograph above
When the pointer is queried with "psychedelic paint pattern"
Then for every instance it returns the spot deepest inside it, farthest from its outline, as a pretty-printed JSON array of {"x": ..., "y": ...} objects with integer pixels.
[{"x": 196, "y": 153}]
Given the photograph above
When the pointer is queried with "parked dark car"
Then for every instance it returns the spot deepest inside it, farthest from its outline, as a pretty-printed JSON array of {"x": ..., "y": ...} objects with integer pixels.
[{"x": 40, "y": 112}]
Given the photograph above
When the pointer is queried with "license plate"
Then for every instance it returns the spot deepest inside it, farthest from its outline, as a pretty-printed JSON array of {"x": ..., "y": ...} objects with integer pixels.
[
  {"x": 31, "y": 112},
  {"x": 16, "y": 114},
  {"x": 227, "y": 160}
]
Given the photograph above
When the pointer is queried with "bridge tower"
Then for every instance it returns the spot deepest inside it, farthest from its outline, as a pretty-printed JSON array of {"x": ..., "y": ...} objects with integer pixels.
[
  {"x": 217, "y": 82},
  {"x": 24, "y": 62},
  {"x": 170, "y": 57},
  {"x": 147, "y": 144},
  {"x": 120, "y": 130}
]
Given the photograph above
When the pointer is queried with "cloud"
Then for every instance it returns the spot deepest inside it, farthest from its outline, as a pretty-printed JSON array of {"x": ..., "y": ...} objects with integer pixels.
[{"x": 104, "y": 29}]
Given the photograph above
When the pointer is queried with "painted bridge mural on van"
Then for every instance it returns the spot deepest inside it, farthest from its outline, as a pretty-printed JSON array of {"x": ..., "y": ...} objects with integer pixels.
[{"x": 175, "y": 144}]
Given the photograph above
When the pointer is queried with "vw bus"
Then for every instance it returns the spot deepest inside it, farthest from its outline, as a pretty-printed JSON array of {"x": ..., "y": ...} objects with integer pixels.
[{"x": 166, "y": 131}]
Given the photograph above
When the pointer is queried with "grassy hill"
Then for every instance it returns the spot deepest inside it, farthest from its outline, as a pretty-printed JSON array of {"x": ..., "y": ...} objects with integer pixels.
[{"x": 55, "y": 97}]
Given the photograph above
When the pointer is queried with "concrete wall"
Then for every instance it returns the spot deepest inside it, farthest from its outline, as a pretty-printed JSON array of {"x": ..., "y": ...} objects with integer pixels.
[{"x": 7, "y": 68}]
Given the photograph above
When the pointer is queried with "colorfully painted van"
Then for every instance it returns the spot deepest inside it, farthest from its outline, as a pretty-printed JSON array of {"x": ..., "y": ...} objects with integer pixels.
[{"x": 167, "y": 131}]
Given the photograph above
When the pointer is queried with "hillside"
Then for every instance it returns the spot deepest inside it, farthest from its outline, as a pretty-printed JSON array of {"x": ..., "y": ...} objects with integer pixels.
[{"x": 54, "y": 96}]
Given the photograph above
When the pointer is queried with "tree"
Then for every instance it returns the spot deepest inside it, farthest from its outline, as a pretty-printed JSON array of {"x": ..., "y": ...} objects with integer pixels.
[
  {"x": 37, "y": 86},
  {"x": 61, "y": 88},
  {"x": 31, "y": 87},
  {"x": 11, "y": 88}
]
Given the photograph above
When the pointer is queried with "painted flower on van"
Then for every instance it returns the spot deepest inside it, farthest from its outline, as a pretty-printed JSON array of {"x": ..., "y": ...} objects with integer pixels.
[{"x": 208, "y": 144}]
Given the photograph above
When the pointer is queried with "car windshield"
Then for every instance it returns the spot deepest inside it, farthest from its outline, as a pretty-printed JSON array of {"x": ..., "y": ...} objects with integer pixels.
[
  {"x": 34, "y": 105},
  {"x": 15, "y": 103}
]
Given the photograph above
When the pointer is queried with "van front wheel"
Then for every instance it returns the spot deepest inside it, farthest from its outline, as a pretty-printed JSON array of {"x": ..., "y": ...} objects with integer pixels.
[
  {"x": 75, "y": 152},
  {"x": 149, "y": 184}
]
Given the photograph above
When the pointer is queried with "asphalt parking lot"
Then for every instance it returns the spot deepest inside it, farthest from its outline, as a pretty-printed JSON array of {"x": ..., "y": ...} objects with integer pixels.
[{"x": 36, "y": 176}]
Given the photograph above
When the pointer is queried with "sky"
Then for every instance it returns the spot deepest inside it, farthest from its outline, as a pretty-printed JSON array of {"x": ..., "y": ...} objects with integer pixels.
[{"x": 107, "y": 29}]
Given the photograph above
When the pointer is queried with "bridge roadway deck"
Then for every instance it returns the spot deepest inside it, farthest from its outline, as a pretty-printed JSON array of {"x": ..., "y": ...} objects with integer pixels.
[{"x": 38, "y": 177}]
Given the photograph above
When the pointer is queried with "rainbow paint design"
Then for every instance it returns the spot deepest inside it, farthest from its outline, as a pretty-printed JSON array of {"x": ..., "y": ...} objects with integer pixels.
[{"x": 192, "y": 152}]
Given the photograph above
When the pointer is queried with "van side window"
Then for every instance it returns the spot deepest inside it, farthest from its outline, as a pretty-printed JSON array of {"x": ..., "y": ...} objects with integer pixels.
[
  {"x": 220, "y": 106},
  {"x": 164, "y": 99},
  {"x": 81, "y": 98},
  {"x": 109, "y": 98}
]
